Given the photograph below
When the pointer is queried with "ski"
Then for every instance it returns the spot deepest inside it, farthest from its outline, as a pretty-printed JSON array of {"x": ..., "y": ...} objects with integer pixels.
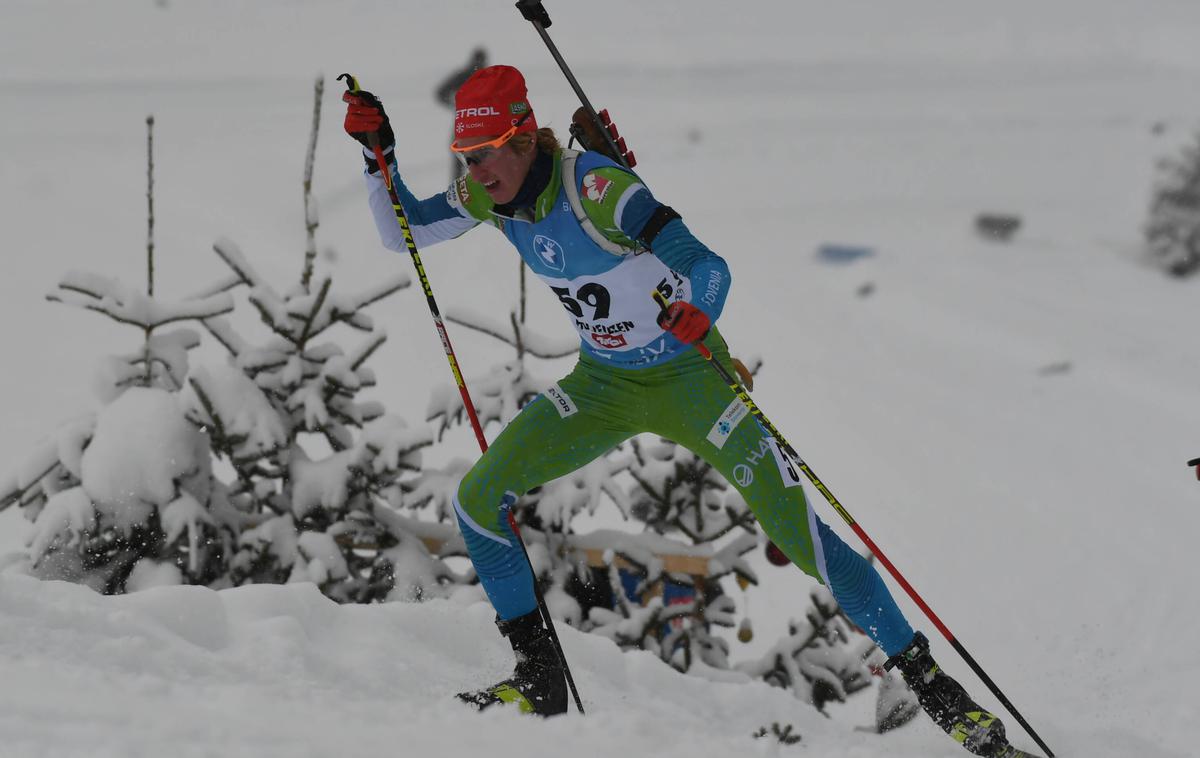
[{"x": 1012, "y": 752}]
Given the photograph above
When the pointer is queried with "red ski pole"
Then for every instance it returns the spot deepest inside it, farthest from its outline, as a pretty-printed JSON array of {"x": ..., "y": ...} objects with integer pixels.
[
  {"x": 795, "y": 458},
  {"x": 402, "y": 219}
]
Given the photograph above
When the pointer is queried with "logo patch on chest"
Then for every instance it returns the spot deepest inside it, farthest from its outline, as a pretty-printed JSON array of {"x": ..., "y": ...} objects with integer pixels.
[
  {"x": 610, "y": 341},
  {"x": 550, "y": 252},
  {"x": 596, "y": 187}
]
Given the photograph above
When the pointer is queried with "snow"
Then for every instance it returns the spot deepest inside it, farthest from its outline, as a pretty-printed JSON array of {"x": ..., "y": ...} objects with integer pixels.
[
  {"x": 127, "y": 305},
  {"x": 149, "y": 573},
  {"x": 251, "y": 419},
  {"x": 283, "y": 671},
  {"x": 323, "y": 483},
  {"x": 66, "y": 513},
  {"x": 141, "y": 449},
  {"x": 325, "y": 561},
  {"x": 276, "y": 536},
  {"x": 1009, "y": 422},
  {"x": 185, "y": 512}
]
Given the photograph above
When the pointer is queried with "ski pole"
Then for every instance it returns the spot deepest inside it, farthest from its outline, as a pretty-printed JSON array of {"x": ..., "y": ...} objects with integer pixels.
[
  {"x": 791, "y": 453},
  {"x": 536, "y": 14},
  {"x": 402, "y": 220},
  {"x": 545, "y": 611}
]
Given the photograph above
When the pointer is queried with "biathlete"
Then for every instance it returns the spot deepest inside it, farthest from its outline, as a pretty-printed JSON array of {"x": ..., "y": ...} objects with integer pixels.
[{"x": 598, "y": 237}]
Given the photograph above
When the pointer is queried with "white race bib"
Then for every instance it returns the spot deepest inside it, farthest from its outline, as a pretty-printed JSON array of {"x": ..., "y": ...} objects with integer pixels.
[{"x": 615, "y": 310}]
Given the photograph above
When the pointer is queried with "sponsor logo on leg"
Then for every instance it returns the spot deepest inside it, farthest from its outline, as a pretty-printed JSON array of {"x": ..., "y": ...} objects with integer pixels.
[
  {"x": 733, "y": 415},
  {"x": 743, "y": 473},
  {"x": 562, "y": 401}
]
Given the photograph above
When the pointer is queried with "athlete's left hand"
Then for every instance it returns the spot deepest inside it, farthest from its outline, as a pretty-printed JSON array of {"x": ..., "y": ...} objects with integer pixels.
[
  {"x": 684, "y": 321},
  {"x": 365, "y": 114}
]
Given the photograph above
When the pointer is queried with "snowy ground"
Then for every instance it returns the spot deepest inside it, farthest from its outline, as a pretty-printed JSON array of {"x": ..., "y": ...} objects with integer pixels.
[{"x": 1009, "y": 421}]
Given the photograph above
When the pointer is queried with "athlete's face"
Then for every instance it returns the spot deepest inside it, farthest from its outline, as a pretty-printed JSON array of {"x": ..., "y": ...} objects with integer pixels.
[{"x": 501, "y": 170}]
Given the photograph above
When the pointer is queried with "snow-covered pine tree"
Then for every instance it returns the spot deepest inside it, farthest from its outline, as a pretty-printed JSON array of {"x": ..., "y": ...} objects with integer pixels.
[
  {"x": 309, "y": 458},
  {"x": 124, "y": 497},
  {"x": 137, "y": 493},
  {"x": 1173, "y": 228},
  {"x": 311, "y": 461}
]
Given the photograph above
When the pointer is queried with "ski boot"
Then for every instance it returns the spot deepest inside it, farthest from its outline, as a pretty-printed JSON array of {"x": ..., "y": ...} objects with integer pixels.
[
  {"x": 947, "y": 703},
  {"x": 538, "y": 685}
]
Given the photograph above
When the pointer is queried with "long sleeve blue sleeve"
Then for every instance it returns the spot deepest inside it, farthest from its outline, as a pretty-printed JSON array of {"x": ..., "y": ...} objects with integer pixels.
[
  {"x": 676, "y": 246},
  {"x": 432, "y": 220},
  {"x": 708, "y": 273}
]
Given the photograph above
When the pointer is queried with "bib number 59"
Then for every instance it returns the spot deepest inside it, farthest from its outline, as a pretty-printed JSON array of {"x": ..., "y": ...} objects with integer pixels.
[{"x": 591, "y": 294}]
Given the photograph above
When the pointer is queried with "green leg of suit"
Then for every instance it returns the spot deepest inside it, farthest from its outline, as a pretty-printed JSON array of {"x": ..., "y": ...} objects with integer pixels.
[{"x": 591, "y": 410}]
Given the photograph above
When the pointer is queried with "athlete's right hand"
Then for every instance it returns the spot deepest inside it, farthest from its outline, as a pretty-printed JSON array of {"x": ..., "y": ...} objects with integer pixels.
[
  {"x": 365, "y": 114},
  {"x": 684, "y": 321}
]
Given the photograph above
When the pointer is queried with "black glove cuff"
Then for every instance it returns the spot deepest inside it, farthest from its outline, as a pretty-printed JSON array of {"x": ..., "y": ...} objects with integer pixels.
[{"x": 373, "y": 164}]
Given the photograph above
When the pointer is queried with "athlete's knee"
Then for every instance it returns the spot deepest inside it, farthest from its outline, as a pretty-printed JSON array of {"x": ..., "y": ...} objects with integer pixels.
[
  {"x": 802, "y": 558},
  {"x": 489, "y": 539},
  {"x": 481, "y": 493}
]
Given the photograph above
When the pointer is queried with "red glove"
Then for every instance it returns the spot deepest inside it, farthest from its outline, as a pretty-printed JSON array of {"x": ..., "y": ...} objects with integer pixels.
[
  {"x": 685, "y": 322},
  {"x": 365, "y": 114}
]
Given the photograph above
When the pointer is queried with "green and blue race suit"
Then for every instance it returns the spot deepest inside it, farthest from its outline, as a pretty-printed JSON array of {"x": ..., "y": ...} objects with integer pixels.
[{"x": 631, "y": 377}]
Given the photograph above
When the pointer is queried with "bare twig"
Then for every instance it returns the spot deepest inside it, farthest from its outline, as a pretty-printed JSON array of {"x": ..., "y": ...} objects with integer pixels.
[
  {"x": 217, "y": 310},
  {"x": 461, "y": 319},
  {"x": 517, "y": 332},
  {"x": 17, "y": 493},
  {"x": 365, "y": 350},
  {"x": 220, "y": 329},
  {"x": 312, "y": 313},
  {"x": 310, "y": 214},
  {"x": 229, "y": 252},
  {"x": 521, "y": 264},
  {"x": 225, "y": 285},
  {"x": 150, "y": 205},
  {"x": 149, "y": 237}
]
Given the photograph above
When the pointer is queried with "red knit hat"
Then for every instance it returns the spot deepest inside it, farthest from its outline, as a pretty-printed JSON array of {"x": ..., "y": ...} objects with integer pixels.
[{"x": 491, "y": 102}]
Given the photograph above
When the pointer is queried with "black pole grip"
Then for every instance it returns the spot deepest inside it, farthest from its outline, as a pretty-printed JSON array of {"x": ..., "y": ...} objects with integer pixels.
[{"x": 534, "y": 11}]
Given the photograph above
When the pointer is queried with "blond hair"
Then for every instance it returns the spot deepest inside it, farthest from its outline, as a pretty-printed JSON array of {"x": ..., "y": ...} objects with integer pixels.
[{"x": 544, "y": 138}]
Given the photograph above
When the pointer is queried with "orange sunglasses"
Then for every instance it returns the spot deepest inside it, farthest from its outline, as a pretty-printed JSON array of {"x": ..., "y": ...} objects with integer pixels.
[{"x": 481, "y": 152}]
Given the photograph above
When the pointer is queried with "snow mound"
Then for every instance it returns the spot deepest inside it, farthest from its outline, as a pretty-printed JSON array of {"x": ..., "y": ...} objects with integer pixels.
[{"x": 280, "y": 670}]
